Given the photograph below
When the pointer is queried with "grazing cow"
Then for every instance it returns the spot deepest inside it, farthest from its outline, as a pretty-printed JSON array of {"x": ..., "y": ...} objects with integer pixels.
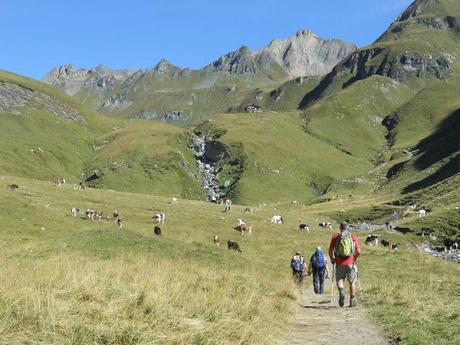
[
  {"x": 12, "y": 186},
  {"x": 232, "y": 245},
  {"x": 304, "y": 227},
  {"x": 325, "y": 225},
  {"x": 173, "y": 201},
  {"x": 294, "y": 201},
  {"x": 450, "y": 244},
  {"x": 240, "y": 222},
  {"x": 157, "y": 230},
  {"x": 159, "y": 217},
  {"x": 385, "y": 243},
  {"x": 119, "y": 223},
  {"x": 277, "y": 220},
  {"x": 74, "y": 211},
  {"x": 99, "y": 215},
  {"x": 372, "y": 239},
  {"x": 388, "y": 225},
  {"x": 413, "y": 207},
  {"x": 75, "y": 187},
  {"x": 440, "y": 249},
  {"x": 228, "y": 202},
  {"x": 394, "y": 246},
  {"x": 227, "y": 209},
  {"x": 216, "y": 240},
  {"x": 248, "y": 210},
  {"x": 90, "y": 214},
  {"x": 422, "y": 213},
  {"x": 244, "y": 227},
  {"x": 81, "y": 186},
  {"x": 115, "y": 214},
  {"x": 59, "y": 182},
  {"x": 427, "y": 232}
]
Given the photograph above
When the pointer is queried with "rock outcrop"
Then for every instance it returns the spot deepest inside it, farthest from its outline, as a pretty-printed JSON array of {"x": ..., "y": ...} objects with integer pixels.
[
  {"x": 304, "y": 54},
  {"x": 13, "y": 97},
  {"x": 72, "y": 80}
]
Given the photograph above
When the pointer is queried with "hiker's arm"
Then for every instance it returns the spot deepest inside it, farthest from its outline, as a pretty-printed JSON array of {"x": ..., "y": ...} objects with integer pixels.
[
  {"x": 309, "y": 268},
  {"x": 357, "y": 249},
  {"x": 331, "y": 251}
]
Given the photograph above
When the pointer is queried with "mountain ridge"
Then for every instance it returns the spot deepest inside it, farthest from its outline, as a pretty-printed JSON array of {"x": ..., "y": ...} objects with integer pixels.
[{"x": 199, "y": 93}]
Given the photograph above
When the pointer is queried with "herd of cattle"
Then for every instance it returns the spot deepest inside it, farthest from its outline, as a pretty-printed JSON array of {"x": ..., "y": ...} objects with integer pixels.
[{"x": 240, "y": 226}]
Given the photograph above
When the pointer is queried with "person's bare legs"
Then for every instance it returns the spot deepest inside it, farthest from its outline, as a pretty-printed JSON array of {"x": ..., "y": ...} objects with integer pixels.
[
  {"x": 341, "y": 292},
  {"x": 352, "y": 289},
  {"x": 352, "y": 294}
]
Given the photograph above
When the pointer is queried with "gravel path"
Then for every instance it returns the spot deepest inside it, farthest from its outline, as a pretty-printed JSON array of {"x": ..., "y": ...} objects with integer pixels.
[{"x": 318, "y": 321}]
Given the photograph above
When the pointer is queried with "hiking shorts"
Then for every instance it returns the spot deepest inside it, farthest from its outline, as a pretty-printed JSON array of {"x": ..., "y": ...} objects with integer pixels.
[{"x": 346, "y": 271}]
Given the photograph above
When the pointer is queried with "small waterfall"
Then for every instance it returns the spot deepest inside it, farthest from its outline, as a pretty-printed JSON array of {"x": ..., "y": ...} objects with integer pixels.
[{"x": 208, "y": 169}]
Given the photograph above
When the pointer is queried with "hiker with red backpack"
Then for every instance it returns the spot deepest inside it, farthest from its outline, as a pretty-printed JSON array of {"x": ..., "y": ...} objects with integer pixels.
[
  {"x": 344, "y": 250},
  {"x": 318, "y": 266}
]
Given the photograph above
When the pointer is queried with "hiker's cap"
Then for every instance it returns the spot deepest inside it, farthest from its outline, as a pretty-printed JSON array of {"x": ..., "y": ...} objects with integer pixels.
[
  {"x": 298, "y": 253},
  {"x": 318, "y": 249}
]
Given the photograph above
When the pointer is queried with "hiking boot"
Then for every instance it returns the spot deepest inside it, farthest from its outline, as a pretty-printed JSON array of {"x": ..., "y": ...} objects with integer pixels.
[
  {"x": 352, "y": 302},
  {"x": 341, "y": 298}
]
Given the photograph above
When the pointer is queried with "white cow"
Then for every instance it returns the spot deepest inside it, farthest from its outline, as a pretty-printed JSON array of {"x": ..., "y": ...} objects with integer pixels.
[
  {"x": 422, "y": 213},
  {"x": 325, "y": 225},
  {"x": 240, "y": 222},
  {"x": 74, "y": 211},
  {"x": 159, "y": 217},
  {"x": 277, "y": 220}
]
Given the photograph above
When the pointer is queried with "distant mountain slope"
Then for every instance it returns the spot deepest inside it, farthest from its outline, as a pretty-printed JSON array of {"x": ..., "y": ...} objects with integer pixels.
[
  {"x": 423, "y": 43},
  {"x": 169, "y": 93},
  {"x": 45, "y": 133},
  {"x": 407, "y": 81}
]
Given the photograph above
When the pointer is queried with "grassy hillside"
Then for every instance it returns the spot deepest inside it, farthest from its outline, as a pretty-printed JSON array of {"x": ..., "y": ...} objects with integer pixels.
[
  {"x": 286, "y": 97},
  {"x": 47, "y": 135},
  {"x": 146, "y": 157},
  {"x": 351, "y": 119},
  {"x": 74, "y": 281},
  {"x": 283, "y": 161}
]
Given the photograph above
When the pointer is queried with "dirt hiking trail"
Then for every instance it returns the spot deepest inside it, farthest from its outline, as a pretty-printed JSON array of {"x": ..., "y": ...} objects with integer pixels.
[{"x": 320, "y": 322}]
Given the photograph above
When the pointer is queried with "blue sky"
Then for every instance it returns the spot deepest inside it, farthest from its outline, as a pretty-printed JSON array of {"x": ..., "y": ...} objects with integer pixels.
[{"x": 40, "y": 34}]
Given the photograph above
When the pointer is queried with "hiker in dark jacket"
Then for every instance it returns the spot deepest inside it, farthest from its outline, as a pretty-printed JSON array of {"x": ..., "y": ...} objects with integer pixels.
[
  {"x": 298, "y": 267},
  {"x": 318, "y": 266}
]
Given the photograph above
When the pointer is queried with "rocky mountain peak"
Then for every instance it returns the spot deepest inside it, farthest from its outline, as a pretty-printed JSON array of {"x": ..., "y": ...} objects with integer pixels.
[
  {"x": 306, "y": 54},
  {"x": 303, "y": 54},
  {"x": 164, "y": 66},
  {"x": 305, "y": 33}
]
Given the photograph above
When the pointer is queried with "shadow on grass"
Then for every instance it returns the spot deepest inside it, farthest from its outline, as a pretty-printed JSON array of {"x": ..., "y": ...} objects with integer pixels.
[{"x": 442, "y": 146}]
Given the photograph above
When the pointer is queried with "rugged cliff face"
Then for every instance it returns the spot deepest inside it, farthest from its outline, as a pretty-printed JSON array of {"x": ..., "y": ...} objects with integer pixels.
[
  {"x": 396, "y": 65},
  {"x": 304, "y": 54}
]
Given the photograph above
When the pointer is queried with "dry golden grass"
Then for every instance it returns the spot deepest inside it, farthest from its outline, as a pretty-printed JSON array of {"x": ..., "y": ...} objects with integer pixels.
[{"x": 136, "y": 299}]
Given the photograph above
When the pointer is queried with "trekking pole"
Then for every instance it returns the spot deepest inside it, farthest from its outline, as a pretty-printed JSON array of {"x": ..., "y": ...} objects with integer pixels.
[{"x": 360, "y": 288}]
